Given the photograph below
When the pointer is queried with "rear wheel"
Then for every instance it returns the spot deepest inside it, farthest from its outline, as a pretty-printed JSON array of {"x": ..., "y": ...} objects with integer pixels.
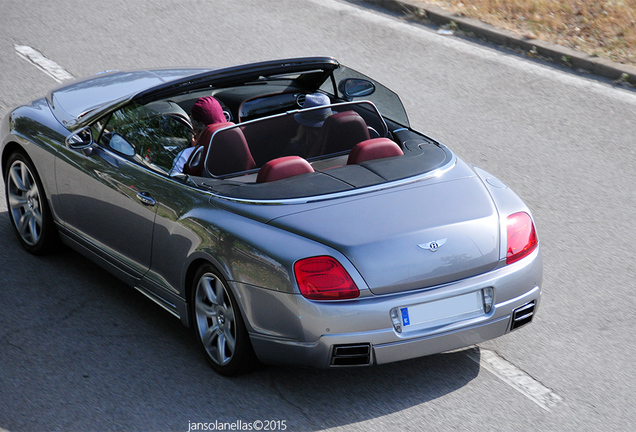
[
  {"x": 218, "y": 325},
  {"x": 28, "y": 208}
]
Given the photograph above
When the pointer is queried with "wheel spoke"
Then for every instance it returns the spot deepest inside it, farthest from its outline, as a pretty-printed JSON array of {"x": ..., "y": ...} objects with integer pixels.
[
  {"x": 229, "y": 315},
  {"x": 34, "y": 227},
  {"x": 208, "y": 338},
  {"x": 17, "y": 201},
  {"x": 27, "y": 180},
  {"x": 208, "y": 291},
  {"x": 17, "y": 175},
  {"x": 220, "y": 344},
  {"x": 205, "y": 310},
  {"x": 229, "y": 338},
  {"x": 37, "y": 216},
  {"x": 219, "y": 290},
  {"x": 23, "y": 223}
]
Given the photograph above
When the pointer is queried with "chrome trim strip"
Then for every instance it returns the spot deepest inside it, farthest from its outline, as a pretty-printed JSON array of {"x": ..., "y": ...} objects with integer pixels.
[
  {"x": 521, "y": 318},
  {"x": 531, "y": 293},
  {"x": 160, "y": 301}
]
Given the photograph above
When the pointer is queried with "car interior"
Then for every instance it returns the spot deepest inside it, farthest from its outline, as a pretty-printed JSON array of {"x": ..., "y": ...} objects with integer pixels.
[{"x": 263, "y": 151}]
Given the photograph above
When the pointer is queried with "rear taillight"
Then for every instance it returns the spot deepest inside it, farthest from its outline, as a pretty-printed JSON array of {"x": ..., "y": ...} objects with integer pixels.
[
  {"x": 522, "y": 237},
  {"x": 324, "y": 278}
]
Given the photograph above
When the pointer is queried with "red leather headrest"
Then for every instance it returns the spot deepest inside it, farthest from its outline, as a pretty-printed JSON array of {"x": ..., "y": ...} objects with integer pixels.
[
  {"x": 376, "y": 148},
  {"x": 283, "y": 167}
]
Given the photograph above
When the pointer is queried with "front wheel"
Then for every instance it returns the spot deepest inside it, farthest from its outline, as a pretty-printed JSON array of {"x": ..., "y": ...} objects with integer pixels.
[
  {"x": 28, "y": 208},
  {"x": 218, "y": 325}
]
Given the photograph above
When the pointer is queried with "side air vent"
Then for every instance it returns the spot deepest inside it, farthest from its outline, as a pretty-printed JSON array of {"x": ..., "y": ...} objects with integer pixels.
[
  {"x": 522, "y": 315},
  {"x": 351, "y": 355},
  {"x": 300, "y": 100}
]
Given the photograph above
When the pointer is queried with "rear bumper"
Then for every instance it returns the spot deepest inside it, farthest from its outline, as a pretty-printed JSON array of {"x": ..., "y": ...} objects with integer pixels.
[
  {"x": 312, "y": 333},
  {"x": 418, "y": 347},
  {"x": 320, "y": 353}
]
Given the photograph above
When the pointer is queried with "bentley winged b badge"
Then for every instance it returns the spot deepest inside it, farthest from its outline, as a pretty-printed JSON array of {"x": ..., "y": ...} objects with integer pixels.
[{"x": 433, "y": 246}]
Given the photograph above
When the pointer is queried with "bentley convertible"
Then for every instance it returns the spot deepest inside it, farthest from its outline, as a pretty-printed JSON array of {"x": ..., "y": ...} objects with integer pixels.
[{"x": 324, "y": 234}]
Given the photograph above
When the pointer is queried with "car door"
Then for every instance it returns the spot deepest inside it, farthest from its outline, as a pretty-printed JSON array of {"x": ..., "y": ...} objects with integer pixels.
[{"x": 107, "y": 192}]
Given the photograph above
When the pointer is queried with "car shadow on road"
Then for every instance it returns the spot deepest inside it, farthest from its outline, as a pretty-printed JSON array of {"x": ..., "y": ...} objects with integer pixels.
[
  {"x": 79, "y": 350},
  {"x": 338, "y": 397}
]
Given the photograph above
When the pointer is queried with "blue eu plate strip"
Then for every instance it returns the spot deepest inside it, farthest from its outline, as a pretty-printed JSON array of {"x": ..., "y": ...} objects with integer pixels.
[{"x": 405, "y": 316}]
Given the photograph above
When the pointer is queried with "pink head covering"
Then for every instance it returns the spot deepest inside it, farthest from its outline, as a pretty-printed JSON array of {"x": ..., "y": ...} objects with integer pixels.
[{"x": 207, "y": 110}]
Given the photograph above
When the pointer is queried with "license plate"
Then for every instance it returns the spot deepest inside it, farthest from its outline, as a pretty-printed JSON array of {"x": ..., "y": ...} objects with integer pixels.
[{"x": 441, "y": 312}]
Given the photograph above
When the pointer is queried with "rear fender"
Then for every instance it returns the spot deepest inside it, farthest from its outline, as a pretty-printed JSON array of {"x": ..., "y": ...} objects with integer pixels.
[{"x": 506, "y": 201}]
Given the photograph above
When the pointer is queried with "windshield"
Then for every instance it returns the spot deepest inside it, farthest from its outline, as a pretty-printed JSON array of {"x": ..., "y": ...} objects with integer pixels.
[{"x": 388, "y": 103}]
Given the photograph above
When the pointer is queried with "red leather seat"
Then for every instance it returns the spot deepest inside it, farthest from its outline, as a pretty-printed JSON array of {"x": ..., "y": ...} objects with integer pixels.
[
  {"x": 283, "y": 167},
  {"x": 194, "y": 165},
  {"x": 340, "y": 132},
  {"x": 229, "y": 152},
  {"x": 376, "y": 148}
]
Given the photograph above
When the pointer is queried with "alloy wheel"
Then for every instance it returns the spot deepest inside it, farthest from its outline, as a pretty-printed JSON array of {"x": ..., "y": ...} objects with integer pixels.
[
  {"x": 215, "y": 319},
  {"x": 25, "y": 202}
]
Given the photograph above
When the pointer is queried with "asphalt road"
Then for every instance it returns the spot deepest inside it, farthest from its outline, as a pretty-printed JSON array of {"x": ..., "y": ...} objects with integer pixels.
[{"x": 81, "y": 351}]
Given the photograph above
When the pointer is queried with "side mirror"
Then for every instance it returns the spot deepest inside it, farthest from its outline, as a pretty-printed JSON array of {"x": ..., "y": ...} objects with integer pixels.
[
  {"x": 81, "y": 139},
  {"x": 356, "y": 87},
  {"x": 119, "y": 144}
]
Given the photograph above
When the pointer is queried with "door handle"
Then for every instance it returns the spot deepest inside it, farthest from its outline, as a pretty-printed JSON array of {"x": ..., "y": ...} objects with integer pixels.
[{"x": 146, "y": 199}]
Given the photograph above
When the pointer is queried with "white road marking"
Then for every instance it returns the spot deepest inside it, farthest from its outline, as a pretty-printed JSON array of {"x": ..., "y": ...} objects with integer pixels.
[
  {"x": 516, "y": 378},
  {"x": 49, "y": 67}
]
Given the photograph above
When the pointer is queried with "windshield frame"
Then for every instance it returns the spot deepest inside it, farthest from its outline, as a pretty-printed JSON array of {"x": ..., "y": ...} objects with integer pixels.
[{"x": 385, "y": 99}]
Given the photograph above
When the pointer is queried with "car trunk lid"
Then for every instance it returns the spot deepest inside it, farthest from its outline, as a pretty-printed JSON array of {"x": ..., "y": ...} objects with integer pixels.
[{"x": 413, "y": 237}]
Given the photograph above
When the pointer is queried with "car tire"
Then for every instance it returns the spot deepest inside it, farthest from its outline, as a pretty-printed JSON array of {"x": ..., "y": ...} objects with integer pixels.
[
  {"x": 218, "y": 325},
  {"x": 28, "y": 207}
]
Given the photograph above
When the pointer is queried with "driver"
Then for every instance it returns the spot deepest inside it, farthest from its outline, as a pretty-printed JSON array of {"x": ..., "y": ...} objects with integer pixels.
[{"x": 205, "y": 111}]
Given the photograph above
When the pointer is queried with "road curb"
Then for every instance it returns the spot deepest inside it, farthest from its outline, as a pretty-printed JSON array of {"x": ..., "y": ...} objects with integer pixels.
[{"x": 618, "y": 72}]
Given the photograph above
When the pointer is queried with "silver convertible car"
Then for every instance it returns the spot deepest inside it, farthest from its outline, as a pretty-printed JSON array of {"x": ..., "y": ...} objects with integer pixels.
[{"x": 324, "y": 234}]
